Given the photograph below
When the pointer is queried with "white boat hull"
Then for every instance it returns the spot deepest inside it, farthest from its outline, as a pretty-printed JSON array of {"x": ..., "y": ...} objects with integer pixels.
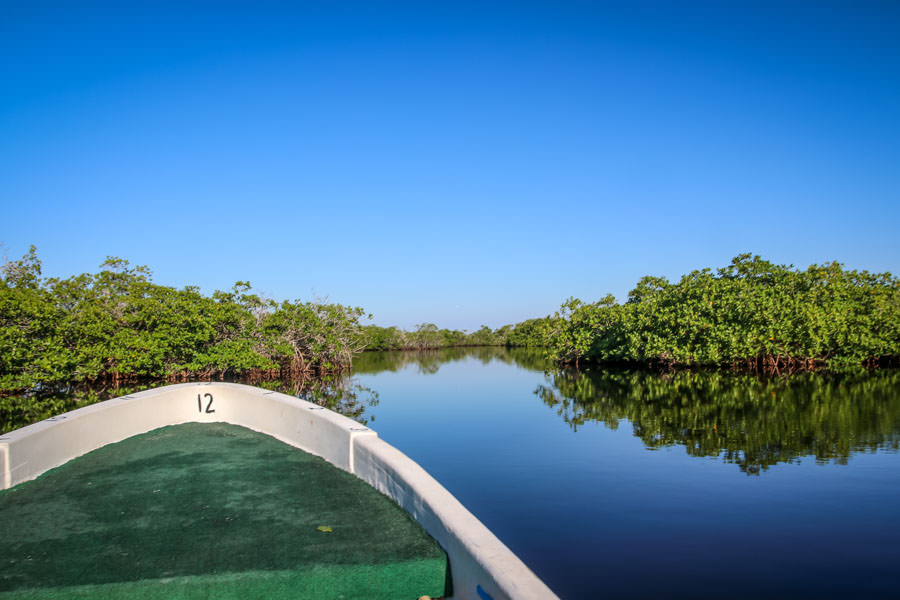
[{"x": 482, "y": 567}]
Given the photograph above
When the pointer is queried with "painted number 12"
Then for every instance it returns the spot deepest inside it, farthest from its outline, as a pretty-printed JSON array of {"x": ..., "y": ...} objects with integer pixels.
[{"x": 209, "y": 407}]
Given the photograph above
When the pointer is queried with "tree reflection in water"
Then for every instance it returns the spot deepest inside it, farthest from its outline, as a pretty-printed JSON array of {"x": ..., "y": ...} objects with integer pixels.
[
  {"x": 429, "y": 362},
  {"x": 752, "y": 421}
]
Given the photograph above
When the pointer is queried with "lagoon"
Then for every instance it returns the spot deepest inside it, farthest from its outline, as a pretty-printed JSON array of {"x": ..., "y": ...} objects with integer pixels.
[
  {"x": 611, "y": 483},
  {"x": 638, "y": 485}
]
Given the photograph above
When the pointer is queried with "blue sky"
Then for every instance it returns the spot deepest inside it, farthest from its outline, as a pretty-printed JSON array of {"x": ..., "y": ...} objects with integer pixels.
[{"x": 457, "y": 163}]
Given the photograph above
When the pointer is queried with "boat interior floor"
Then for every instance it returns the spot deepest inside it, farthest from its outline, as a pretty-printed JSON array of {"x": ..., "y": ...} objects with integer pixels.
[{"x": 210, "y": 511}]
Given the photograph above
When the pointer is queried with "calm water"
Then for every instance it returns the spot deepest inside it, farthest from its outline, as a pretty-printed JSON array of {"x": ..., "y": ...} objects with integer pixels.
[
  {"x": 633, "y": 485},
  {"x": 641, "y": 486}
]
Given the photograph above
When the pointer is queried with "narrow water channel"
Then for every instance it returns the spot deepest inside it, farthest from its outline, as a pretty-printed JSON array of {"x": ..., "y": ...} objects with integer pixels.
[{"x": 623, "y": 484}]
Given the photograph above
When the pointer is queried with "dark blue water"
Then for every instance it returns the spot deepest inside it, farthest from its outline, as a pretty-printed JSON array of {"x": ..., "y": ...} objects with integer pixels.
[{"x": 641, "y": 486}]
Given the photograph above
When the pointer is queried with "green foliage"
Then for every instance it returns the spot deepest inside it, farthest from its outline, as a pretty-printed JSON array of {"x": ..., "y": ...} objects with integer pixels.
[
  {"x": 383, "y": 338},
  {"x": 116, "y": 325},
  {"x": 533, "y": 333},
  {"x": 751, "y": 313}
]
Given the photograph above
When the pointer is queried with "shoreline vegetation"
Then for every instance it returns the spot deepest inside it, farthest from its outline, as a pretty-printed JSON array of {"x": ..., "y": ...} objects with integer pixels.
[
  {"x": 116, "y": 327},
  {"x": 751, "y": 315}
]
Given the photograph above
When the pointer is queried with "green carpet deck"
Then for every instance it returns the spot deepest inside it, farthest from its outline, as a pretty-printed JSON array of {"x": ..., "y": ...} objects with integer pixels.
[{"x": 210, "y": 511}]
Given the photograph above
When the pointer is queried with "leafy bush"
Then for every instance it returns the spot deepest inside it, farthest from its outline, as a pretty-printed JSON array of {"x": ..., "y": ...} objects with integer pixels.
[
  {"x": 752, "y": 313},
  {"x": 117, "y": 325}
]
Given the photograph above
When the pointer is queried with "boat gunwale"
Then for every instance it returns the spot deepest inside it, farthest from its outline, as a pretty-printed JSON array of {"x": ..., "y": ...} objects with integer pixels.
[{"x": 481, "y": 565}]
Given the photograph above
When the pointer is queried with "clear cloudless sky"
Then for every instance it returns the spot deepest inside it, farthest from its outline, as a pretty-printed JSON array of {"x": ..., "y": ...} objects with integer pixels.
[{"x": 451, "y": 162}]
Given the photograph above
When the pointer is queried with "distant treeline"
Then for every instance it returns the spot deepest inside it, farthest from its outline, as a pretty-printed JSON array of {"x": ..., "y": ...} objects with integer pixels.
[
  {"x": 751, "y": 313},
  {"x": 430, "y": 361},
  {"x": 427, "y": 336}
]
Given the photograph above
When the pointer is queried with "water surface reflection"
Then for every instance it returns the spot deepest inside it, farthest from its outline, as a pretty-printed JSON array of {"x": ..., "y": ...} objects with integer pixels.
[
  {"x": 429, "y": 362},
  {"x": 556, "y": 464},
  {"x": 632, "y": 484},
  {"x": 754, "y": 422}
]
